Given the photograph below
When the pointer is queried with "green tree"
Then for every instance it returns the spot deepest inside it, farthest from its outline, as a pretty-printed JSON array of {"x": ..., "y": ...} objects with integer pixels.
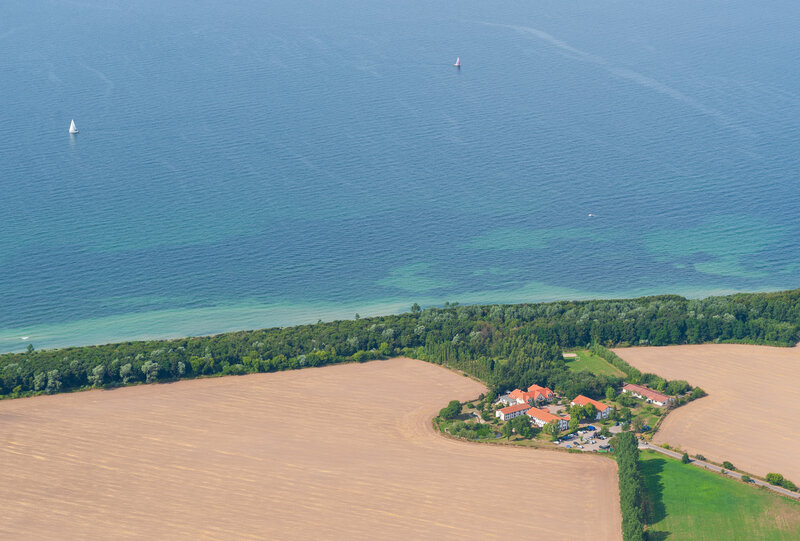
[
  {"x": 415, "y": 308},
  {"x": 610, "y": 393},
  {"x": 590, "y": 412},
  {"x": 574, "y": 423},
  {"x": 728, "y": 466},
  {"x": 746, "y": 478},
  {"x": 637, "y": 424},
  {"x": 774, "y": 479},
  {"x": 96, "y": 377},
  {"x": 451, "y": 411},
  {"x": 685, "y": 458},
  {"x": 39, "y": 381},
  {"x": 150, "y": 371},
  {"x": 522, "y": 426},
  {"x": 126, "y": 373},
  {"x": 508, "y": 430},
  {"x": 53, "y": 382},
  {"x": 697, "y": 392},
  {"x": 576, "y": 412},
  {"x": 551, "y": 429}
]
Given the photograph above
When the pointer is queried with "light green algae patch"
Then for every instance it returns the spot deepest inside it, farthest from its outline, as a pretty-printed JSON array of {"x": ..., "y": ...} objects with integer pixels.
[
  {"x": 413, "y": 278},
  {"x": 728, "y": 240},
  {"x": 517, "y": 239}
]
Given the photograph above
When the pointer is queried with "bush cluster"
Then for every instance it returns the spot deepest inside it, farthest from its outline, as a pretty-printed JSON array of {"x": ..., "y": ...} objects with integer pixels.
[{"x": 779, "y": 480}]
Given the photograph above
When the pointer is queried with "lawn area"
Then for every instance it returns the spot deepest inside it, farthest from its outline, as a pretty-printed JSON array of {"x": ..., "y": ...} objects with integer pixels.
[
  {"x": 587, "y": 362},
  {"x": 688, "y": 503}
]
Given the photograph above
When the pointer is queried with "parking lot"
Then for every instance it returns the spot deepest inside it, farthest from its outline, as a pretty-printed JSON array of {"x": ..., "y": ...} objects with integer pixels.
[{"x": 587, "y": 439}]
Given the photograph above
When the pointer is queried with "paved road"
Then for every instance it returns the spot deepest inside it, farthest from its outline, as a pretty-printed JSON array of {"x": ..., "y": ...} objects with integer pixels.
[{"x": 712, "y": 467}]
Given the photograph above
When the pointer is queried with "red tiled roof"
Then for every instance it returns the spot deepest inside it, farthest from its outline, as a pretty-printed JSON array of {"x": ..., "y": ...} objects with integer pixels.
[
  {"x": 583, "y": 400},
  {"x": 646, "y": 392},
  {"x": 512, "y": 409},
  {"x": 519, "y": 394},
  {"x": 539, "y": 389},
  {"x": 534, "y": 392},
  {"x": 543, "y": 415}
]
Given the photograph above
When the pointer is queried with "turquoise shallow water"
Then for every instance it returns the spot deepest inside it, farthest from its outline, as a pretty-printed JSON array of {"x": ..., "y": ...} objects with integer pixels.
[{"x": 249, "y": 163}]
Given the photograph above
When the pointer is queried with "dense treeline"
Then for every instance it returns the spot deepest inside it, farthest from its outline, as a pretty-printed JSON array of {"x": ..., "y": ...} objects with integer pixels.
[
  {"x": 505, "y": 345},
  {"x": 631, "y": 489}
]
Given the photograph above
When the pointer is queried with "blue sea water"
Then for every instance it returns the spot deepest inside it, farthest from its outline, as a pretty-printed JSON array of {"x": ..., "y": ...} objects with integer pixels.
[{"x": 251, "y": 163}]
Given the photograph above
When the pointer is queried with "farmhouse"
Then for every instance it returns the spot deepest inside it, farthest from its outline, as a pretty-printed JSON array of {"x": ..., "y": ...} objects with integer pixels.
[
  {"x": 535, "y": 393},
  {"x": 541, "y": 417},
  {"x": 512, "y": 411},
  {"x": 654, "y": 397},
  {"x": 603, "y": 410}
]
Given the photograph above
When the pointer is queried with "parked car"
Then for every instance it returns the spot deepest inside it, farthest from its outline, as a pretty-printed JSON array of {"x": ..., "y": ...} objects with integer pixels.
[{"x": 568, "y": 446}]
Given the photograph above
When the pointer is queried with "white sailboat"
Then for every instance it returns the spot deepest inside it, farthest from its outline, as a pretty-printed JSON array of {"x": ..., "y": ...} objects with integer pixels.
[
  {"x": 72, "y": 129},
  {"x": 458, "y": 62}
]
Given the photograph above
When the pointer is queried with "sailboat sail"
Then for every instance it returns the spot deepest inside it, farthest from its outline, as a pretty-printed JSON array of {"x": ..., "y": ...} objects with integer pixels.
[
  {"x": 458, "y": 62},
  {"x": 72, "y": 128}
]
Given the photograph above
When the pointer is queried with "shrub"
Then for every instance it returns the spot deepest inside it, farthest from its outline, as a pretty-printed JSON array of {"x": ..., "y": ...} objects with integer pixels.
[
  {"x": 728, "y": 466},
  {"x": 746, "y": 479},
  {"x": 697, "y": 392},
  {"x": 685, "y": 458},
  {"x": 779, "y": 480},
  {"x": 698, "y": 456},
  {"x": 451, "y": 411},
  {"x": 774, "y": 479}
]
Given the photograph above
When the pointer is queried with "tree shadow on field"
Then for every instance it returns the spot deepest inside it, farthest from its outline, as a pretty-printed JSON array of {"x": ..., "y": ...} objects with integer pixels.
[{"x": 654, "y": 509}]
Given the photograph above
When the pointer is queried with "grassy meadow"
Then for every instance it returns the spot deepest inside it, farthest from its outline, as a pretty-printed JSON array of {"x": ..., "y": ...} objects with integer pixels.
[
  {"x": 588, "y": 362},
  {"x": 688, "y": 503}
]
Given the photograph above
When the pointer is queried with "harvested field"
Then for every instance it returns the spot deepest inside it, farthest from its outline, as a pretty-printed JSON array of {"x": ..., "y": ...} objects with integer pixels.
[
  {"x": 750, "y": 415},
  {"x": 342, "y": 452}
]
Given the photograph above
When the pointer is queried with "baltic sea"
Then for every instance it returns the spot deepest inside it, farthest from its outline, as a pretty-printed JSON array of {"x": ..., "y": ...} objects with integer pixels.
[{"x": 254, "y": 163}]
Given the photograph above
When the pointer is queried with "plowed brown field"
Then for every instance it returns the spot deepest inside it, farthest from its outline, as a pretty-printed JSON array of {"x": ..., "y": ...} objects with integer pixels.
[
  {"x": 342, "y": 452},
  {"x": 750, "y": 416}
]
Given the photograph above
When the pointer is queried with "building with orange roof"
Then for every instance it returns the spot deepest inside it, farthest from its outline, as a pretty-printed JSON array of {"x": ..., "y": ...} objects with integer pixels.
[
  {"x": 535, "y": 394},
  {"x": 654, "y": 397},
  {"x": 541, "y": 417},
  {"x": 603, "y": 410},
  {"x": 512, "y": 411}
]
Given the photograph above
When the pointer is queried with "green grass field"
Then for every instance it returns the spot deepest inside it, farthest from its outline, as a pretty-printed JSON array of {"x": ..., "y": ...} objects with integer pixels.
[
  {"x": 688, "y": 503},
  {"x": 586, "y": 362}
]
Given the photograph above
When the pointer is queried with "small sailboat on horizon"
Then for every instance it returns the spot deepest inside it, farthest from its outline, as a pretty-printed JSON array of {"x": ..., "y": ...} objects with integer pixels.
[
  {"x": 458, "y": 62},
  {"x": 72, "y": 129}
]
